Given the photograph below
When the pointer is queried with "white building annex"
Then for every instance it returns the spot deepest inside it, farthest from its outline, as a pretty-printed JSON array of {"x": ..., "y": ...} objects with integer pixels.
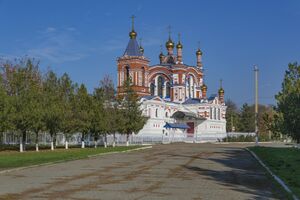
[{"x": 173, "y": 94}]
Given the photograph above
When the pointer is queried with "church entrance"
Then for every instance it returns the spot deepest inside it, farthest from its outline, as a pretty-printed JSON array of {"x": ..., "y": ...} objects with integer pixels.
[{"x": 191, "y": 129}]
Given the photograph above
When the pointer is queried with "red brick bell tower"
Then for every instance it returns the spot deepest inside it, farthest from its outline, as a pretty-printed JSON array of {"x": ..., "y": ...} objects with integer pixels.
[{"x": 133, "y": 65}]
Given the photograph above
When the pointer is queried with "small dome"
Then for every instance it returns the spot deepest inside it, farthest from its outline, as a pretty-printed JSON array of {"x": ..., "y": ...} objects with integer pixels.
[
  {"x": 132, "y": 34},
  {"x": 221, "y": 91},
  {"x": 179, "y": 45},
  {"x": 141, "y": 49},
  {"x": 204, "y": 87},
  {"x": 170, "y": 44},
  {"x": 161, "y": 55},
  {"x": 198, "y": 52}
]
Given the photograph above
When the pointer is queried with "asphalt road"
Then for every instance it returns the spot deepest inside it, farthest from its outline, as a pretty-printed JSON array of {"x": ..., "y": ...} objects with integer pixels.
[{"x": 176, "y": 171}]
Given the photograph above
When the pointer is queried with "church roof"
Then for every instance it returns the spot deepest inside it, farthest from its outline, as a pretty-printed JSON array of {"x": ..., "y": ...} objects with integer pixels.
[
  {"x": 176, "y": 125},
  {"x": 133, "y": 48},
  {"x": 212, "y": 97},
  {"x": 192, "y": 101}
]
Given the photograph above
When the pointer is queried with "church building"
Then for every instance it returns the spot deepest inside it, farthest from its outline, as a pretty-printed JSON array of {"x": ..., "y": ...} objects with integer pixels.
[{"x": 173, "y": 94}]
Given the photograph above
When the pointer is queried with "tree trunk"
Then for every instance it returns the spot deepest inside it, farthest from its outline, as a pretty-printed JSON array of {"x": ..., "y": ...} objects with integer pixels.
[
  {"x": 66, "y": 144},
  {"x": 95, "y": 141},
  {"x": 105, "y": 140},
  {"x": 37, "y": 141},
  {"x": 127, "y": 139},
  {"x": 82, "y": 141},
  {"x": 52, "y": 142},
  {"x": 21, "y": 144},
  {"x": 24, "y": 140},
  {"x": 114, "y": 140}
]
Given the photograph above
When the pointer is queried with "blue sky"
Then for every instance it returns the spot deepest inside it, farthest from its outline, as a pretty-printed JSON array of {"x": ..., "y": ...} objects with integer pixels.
[{"x": 84, "y": 38}]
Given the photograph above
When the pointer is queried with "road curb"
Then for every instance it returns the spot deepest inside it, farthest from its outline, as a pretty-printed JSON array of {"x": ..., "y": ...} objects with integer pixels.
[
  {"x": 279, "y": 180},
  {"x": 61, "y": 161}
]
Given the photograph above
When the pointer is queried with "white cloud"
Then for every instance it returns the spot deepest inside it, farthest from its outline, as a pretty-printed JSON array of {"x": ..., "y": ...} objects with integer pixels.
[
  {"x": 57, "y": 45},
  {"x": 50, "y": 29}
]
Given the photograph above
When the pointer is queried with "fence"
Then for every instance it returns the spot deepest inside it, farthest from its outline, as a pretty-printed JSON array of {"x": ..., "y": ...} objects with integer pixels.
[{"x": 120, "y": 139}]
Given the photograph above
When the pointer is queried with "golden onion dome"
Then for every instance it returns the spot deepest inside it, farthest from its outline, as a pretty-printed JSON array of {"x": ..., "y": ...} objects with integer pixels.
[
  {"x": 198, "y": 52},
  {"x": 204, "y": 87},
  {"x": 221, "y": 91},
  {"x": 179, "y": 45},
  {"x": 170, "y": 44},
  {"x": 132, "y": 34}
]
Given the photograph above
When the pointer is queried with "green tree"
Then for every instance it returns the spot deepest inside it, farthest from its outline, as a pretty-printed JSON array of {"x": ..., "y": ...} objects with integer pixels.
[
  {"x": 133, "y": 120},
  {"x": 110, "y": 108},
  {"x": 247, "y": 119},
  {"x": 83, "y": 112},
  {"x": 288, "y": 103},
  {"x": 4, "y": 107},
  {"x": 232, "y": 116},
  {"x": 53, "y": 107},
  {"x": 67, "y": 99},
  {"x": 23, "y": 82},
  {"x": 97, "y": 115}
]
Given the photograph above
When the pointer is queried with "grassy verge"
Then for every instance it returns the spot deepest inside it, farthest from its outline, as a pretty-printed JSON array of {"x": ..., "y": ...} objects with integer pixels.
[
  {"x": 284, "y": 162},
  {"x": 10, "y": 160}
]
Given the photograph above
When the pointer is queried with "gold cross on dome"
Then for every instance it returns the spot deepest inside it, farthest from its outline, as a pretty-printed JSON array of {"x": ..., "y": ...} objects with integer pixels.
[
  {"x": 132, "y": 18},
  {"x": 169, "y": 31}
]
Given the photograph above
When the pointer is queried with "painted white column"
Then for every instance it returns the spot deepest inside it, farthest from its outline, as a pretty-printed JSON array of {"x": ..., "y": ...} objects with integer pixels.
[{"x": 156, "y": 86}]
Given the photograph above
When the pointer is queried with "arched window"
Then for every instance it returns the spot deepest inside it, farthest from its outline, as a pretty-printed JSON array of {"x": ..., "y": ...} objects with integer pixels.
[
  {"x": 143, "y": 76},
  {"x": 210, "y": 113},
  {"x": 160, "y": 83},
  {"x": 168, "y": 90},
  {"x": 167, "y": 114},
  {"x": 219, "y": 114},
  {"x": 156, "y": 112},
  {"x": 127, "y": 73},
  {"x": 190, "y": 85},
  {"x": 152, "y": 87}
]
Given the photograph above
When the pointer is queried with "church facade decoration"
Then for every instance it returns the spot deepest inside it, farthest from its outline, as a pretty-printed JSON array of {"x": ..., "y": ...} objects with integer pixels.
[{"x": 172, "y": 93}]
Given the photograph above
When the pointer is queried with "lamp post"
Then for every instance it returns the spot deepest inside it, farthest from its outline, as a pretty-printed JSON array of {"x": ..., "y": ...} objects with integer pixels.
[{"x": 256, "y": 104}]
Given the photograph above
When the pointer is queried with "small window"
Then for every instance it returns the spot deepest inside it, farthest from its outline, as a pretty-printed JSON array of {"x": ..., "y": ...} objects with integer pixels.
[
  {"x": 156, "y": 112},
  {"x": 168, "y": 90},
  {"x": 160, "y": 85},
  {"x": 167, "y": 114},
  {"x": 127, "y": 73}
]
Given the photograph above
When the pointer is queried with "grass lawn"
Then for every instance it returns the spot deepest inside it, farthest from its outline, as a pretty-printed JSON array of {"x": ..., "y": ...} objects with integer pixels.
[
  {"x": 15, "y": 159},
  {"x": 284, "y": 162}
]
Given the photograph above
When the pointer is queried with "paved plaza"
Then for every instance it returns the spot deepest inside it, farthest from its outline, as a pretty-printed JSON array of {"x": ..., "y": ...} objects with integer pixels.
[{"x": 176, "y": 171}]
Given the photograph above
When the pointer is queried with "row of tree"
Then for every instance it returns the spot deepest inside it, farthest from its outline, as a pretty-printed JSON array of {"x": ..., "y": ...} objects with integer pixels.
[
  {"x": 33, "y": 102},
  {"x": 282, "y": 119},
  {"x": 242, "y": 119}
]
